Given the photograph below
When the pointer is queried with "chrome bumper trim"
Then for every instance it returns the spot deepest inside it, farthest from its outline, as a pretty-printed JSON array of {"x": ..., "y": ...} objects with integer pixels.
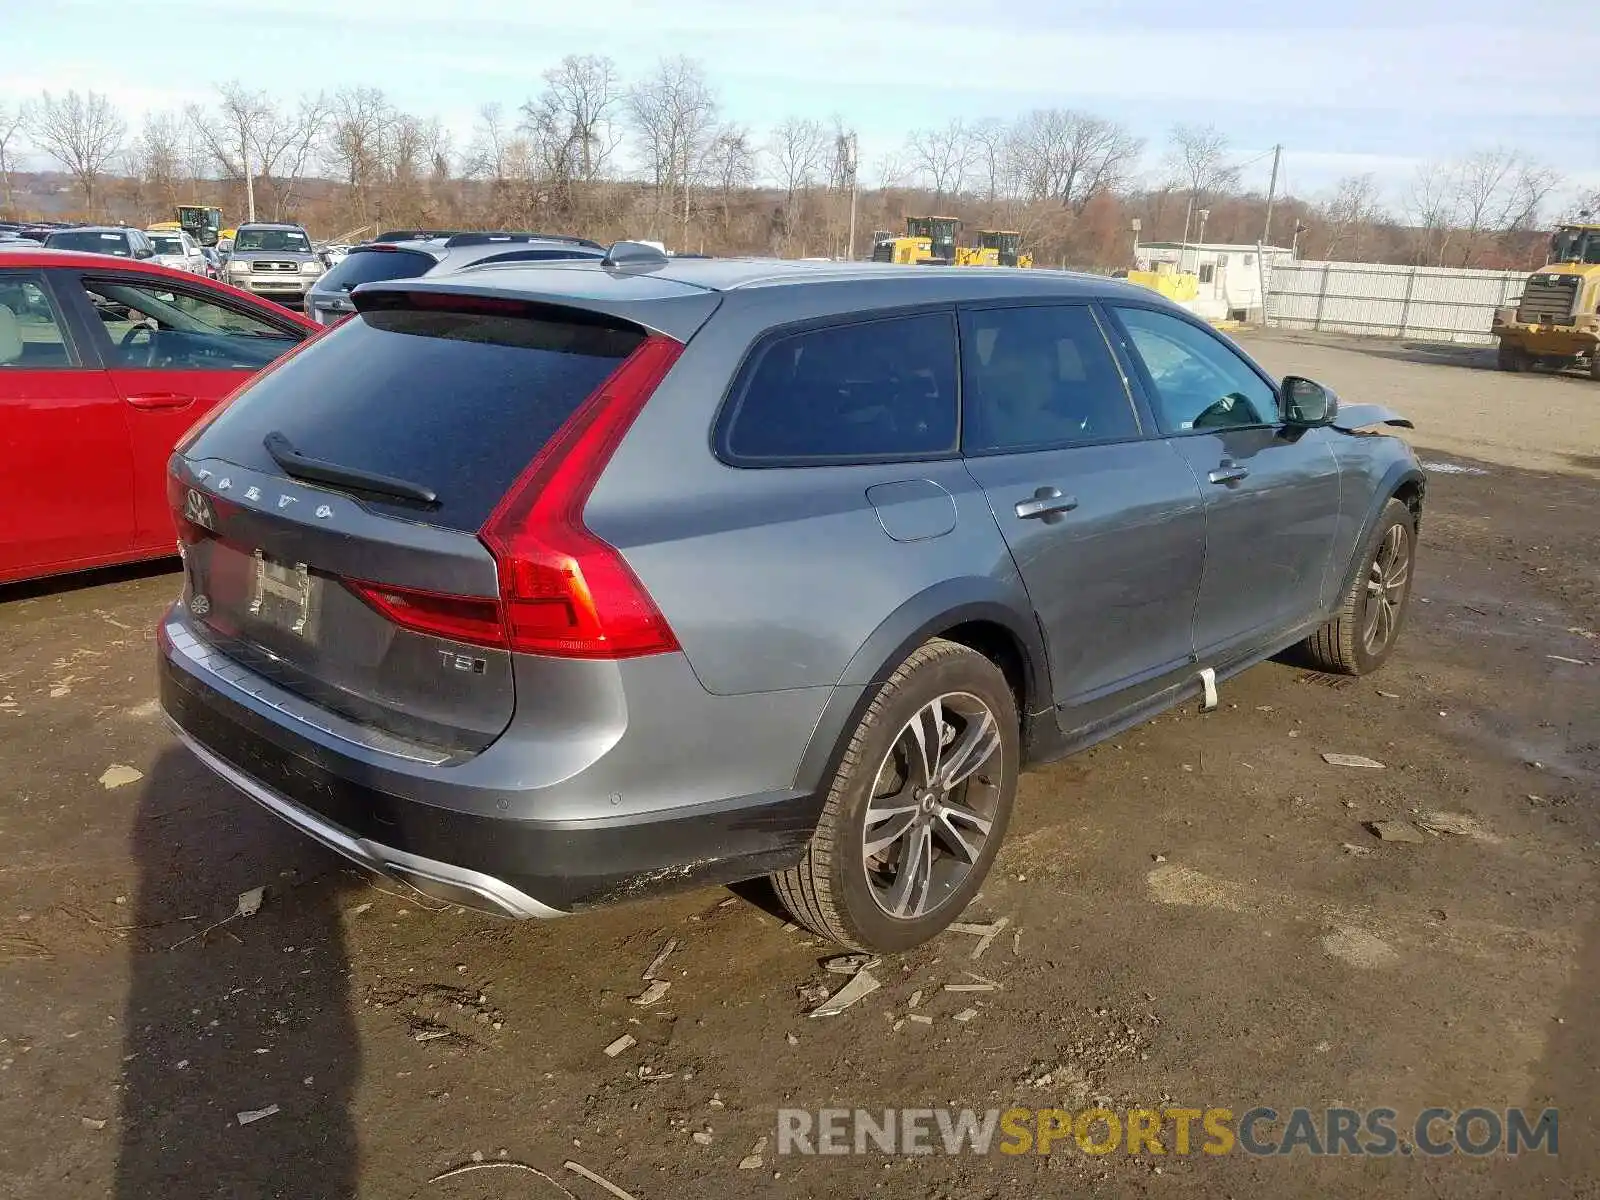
[{"x": 497, "y": 896}]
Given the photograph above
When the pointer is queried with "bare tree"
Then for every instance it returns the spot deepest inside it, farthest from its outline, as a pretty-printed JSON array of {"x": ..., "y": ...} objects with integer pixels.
[
  {"x": 157, "y": 157},
  {"x": 991, "y": 155},
  {"x": 1349, "y": 216},
  {"x": 572, "y": 122},
  {"x": 10, "y": 127},
  {"x": 674, "y": 116},
  {"x": 1431, "y": 207},
  {"x": 1197, "y": 155},
  {"x": 731, "y": 166},
  {"x": 1071, "y": 157},
  {"x": 486, "y": 156},
  {"x": 943, "y": 157},
  {"x": 798, "y": 150},
  {"x": 358, "y": 135},
  {"x": 81, "y": 132}
]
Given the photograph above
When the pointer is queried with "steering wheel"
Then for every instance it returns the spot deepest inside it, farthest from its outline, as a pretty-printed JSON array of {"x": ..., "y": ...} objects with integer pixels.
[{"x": 126, "y": 346}]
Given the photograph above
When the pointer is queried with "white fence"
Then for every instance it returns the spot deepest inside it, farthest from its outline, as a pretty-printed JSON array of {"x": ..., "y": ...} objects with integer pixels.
[{"x": 1436, "y": 304}]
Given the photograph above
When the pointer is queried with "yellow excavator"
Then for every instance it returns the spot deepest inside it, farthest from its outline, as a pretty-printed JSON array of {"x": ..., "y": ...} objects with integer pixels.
[{"x": 928, "y": 240}]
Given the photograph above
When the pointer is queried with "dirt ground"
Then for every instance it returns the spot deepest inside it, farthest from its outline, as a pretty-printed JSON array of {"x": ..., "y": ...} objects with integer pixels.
[{"x": 1197, "y": 916}]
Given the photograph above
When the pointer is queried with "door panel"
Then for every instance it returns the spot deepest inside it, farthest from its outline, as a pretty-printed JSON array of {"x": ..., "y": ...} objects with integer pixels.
[
  {"x": 173, "y": 355},
  {"x": 1105, "y": 524},
  {"x": 1271, "y": 490},
  {"x": 1271, "y": 531},
  {"x": 65, "y": 468}
]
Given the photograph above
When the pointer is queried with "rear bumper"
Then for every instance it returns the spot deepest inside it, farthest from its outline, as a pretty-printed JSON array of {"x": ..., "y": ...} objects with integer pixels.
[{"x": 508, "y": 865}]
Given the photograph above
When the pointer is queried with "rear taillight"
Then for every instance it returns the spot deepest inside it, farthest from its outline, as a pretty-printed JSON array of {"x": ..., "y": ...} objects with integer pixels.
[
  {"x": 462, "y": 618},
  {"x": 563, "y": 591}
]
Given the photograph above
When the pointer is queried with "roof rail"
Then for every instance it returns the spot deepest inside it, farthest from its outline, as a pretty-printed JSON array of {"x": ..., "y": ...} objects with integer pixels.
[
  {"x": 411, "y": 235},
  {"x": 489, "y": 238},
  {"x": 632, "y": 254}
]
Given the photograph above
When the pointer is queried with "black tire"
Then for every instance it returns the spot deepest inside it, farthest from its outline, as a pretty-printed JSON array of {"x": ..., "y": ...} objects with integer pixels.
[
  {"x": 831, "y": 891},
  {"x": 1344, "y": 646},
  {"x": 1511, "y": 357},
  {"x": 1594, "y": 363}
]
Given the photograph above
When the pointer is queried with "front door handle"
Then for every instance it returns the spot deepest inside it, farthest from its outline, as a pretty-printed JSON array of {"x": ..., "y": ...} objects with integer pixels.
[
  {"x": 1047, "y": 502},
  {"x": 1229, "y": 472},
  {"x": 160, "y": 400}
]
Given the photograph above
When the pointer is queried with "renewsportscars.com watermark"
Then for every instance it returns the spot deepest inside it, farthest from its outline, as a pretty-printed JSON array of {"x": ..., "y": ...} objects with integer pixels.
[{"x": 1257, "y": 1131}]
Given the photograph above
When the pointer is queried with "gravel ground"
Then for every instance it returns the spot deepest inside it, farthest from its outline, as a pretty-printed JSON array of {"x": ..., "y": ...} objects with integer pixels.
[{"x": 1197, "y": 916}]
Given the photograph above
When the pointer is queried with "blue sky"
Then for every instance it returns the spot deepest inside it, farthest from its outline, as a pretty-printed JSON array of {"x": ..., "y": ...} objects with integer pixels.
[{"x": 1357, "y": 86}]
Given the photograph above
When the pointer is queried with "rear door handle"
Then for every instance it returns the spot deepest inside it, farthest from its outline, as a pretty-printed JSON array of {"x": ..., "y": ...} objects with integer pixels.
[
  {"x": 1229, "y": 472},
  {"x": 160, "y": 400},
  {"x": 1047, "y": 502}
]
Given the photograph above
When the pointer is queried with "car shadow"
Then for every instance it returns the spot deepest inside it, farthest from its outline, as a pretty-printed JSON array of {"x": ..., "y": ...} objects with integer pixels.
[
  {"x": 229, "y": 1015},
  {"x": 55, "y": 585}
]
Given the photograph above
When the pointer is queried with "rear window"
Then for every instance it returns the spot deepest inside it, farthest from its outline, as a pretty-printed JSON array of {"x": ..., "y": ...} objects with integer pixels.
[
  {"x": 94, "y": 243},
  {"x": 370, "y": 266},
  {"x": 457, "y": 402},
  {"x": 868, "y": 392}
]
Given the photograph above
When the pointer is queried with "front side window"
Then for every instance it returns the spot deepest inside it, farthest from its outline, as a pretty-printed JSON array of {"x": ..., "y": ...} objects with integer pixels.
[
  {"x": 1039, "y": 377},
  {"x": 31, "y": 333},
  {"x": 152, "y": 326},
  {"x": 868, "y": 392},
  {"x": 1200, "y": 382}
]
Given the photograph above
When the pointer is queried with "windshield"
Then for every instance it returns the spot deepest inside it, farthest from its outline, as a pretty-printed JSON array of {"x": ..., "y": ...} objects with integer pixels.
[
  {"x": 365, "y": 266},
  {"x": 272, "y": 239},
  {"x": 94, "y": 243},
  {"x": 1575, "y": 246},
  {"x": 167, "y": 243}
]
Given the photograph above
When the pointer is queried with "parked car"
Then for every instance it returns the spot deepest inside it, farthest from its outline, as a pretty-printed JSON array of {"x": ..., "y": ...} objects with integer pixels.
[
  {"x": 273, "y": 260},
  {"x": 106, "y": 363},
  {"x": 661, "y": 573},
  {"x": 328, "y": 302},
  {"x": 115, "y": 240},
  {"x": 178, "y": 250}
]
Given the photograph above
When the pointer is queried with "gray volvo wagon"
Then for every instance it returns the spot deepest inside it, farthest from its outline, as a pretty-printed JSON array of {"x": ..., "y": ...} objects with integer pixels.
[{"x": 540, "y": 586}]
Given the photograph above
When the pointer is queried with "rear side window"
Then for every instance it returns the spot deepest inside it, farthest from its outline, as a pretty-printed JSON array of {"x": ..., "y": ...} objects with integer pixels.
[
  {"x": 457, "y": 402},
  {"x": 369, "y": 266},
  {"x": 868, "y": 392},
  {"x": 1039, "y": 377}
]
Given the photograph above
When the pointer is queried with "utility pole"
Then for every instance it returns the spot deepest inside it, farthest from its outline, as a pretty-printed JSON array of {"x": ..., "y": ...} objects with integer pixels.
[
  {"x": 1272, "y": 194},
  {"x": 849, "y": 154},
  {"x": 249, "y": 178}
]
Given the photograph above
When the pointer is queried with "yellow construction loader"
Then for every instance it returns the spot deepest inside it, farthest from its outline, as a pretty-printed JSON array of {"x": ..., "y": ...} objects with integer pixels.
[
  {"x": 1556, "y": 323},
  {"x": 995, "y": 248},
  {"x": 928, "y": 240}
]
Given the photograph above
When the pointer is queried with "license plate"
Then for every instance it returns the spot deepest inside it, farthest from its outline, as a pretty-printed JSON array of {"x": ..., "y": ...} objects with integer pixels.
[{"x": 281, "y": 594}]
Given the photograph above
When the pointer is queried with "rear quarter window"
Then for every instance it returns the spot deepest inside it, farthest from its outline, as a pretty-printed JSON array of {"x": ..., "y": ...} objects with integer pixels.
[
  {"x": 874, "y": 390},
  {"x": 369, "y": 266}
]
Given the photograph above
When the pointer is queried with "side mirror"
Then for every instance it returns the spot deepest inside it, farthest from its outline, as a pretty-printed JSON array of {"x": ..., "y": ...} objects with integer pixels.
[{"x": 1308, "y": 403}]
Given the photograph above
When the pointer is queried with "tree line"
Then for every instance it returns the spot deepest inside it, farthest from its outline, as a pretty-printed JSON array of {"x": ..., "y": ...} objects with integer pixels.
[{"x": 590, "y": 151}]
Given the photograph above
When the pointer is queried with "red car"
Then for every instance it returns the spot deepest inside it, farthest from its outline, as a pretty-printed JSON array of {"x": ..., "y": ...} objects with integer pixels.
[{"x": 104, "y": 364}]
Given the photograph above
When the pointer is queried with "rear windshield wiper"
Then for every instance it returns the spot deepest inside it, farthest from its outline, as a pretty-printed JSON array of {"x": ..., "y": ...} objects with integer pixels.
[{"x": 316, "y": 470}]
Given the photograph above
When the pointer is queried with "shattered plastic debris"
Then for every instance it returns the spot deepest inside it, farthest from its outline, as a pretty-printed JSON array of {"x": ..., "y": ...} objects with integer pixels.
[
  {"x": 752, "y": 1161},
  {"x": 1396, "y": 831},
  {"x": 862, "y": 984},
  {"x": 1577, "y": 662},
  {"x": 655, "y": 963},
  {"x": 621, "y": 1044},
  {"x": 256, "y": 1114},
  {"x": 651, "y": 994},
  {"x": 1458, "y": 824},
  {"x": 849, "y": 964},
  {"x": 117, "y": 775},
  {"x": 598, "y": 1180},
  {"x": 965, "y": 1015},
  {"x": 987, "y": 939},
  {"x": 250, "y": 902},
  {"x": 1352, "y": 760}
]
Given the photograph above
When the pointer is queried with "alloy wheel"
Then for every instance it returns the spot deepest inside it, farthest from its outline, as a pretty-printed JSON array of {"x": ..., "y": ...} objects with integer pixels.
[
  {"x": 1386, "y": 589},
  {"x": 933, "y": 805}
]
